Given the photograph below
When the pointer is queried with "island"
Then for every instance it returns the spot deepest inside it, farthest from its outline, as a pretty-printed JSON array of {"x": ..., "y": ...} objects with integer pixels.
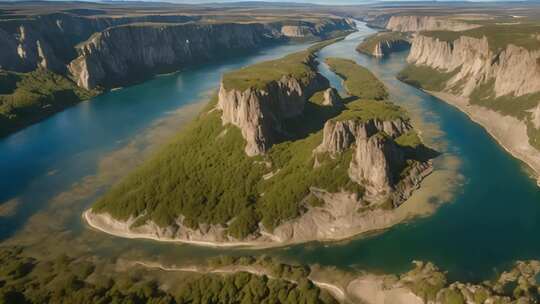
[{"x": 277, "y": 157}]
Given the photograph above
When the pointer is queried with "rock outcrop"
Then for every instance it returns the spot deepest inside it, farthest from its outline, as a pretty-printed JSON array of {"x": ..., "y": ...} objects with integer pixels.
[
  {"x": 513, "y": 70},
  {"x": 341, "y": 135},
  {"x": 259, "y": 112},
  {"x": 376, "y": 164},
  {"x": 426, "y": 23},
  {"x": 385, "y": 47},
  {"x": 331, "y": 97}
]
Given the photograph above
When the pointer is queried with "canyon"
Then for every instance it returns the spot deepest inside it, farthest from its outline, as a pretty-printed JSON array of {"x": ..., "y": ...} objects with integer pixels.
[{"x": 76, "y": 55}]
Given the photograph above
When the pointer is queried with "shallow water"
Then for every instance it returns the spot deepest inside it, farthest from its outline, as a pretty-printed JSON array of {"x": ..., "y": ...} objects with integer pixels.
[{"x": 53, "y": 170}]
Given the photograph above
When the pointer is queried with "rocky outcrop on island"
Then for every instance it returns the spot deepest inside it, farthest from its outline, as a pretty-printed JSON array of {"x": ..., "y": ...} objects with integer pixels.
[
  {"x": 341, "y": 135},
  {"x": 259, "y": 113},
  {"x": 417, "y": 23}
]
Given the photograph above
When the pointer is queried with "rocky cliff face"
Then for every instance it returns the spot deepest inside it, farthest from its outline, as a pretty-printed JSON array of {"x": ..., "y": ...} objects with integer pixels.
[
  {"x": 383, "y": 48},
  {"x": 426, "y": 23},
  {"x": 113, "y": 56},
  {"x": 513, "y": 70},
  {"x": 338, "y": 136},
  {"x": 376, "y": 163},
  {"x": 259, "y": 112},
  {"x": 48, "y": 40},
  {"x": 110, "y": 51}
]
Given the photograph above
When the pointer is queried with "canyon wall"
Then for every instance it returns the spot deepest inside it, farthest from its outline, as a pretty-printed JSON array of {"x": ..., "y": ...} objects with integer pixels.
[
  {"x": 108, "y": 51},
  {"x": 426, "y": 23},
  {"x": 513, "y": 70}
]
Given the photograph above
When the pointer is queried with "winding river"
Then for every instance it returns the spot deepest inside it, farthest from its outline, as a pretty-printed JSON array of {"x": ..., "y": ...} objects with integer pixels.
[{"x": 52, "y": 171}]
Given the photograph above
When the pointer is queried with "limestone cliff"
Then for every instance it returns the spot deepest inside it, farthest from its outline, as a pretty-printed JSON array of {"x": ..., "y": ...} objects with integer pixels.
[
  {"x": 49, "y": 40},
  {"x": 259, "y": 112},
  {"x": 385, "y": 47},
  {"x": 426, "y": 23},
  {"x": 116, "y": 55},
  {"x": 376, "y": 163},
  {"x": 341, "y": 135},
  {"x": 108, "y": 51},
  {"x": 384, "y": 43},
  {"x": 513, "y": 70}
]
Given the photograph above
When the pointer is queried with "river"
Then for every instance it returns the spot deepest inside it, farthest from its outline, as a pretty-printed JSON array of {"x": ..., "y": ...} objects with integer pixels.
[{"x": 53, "y": 170}]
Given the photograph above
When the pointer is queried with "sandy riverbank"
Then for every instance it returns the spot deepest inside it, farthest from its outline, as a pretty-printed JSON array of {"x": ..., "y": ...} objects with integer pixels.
[
  {"x": 371, "y": 289},
  {"x": 508, "y": 131}
]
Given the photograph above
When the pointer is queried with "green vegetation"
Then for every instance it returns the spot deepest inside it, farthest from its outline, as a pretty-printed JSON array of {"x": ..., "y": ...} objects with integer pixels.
[
  {"x": 67, "y": 280},
  {"x": 409, "y": 139},
  {"x": 274, "y": 267},
  {"x": 519, "y": 107},
  {"x": 64, "y": 279},
  {"x": 248, "y": 288},
  {"x": 364, "y": 110},
  {"x": 451, "y": 296},
  {"x": 368, "y": 45},
  {"x": 358, "y": 80},
  {"x": 499, "y": 35},
  {"x": 425, "y": 77},
  {"x": 258, "y": 76},
  {"x": 29, "y": 97},
  {"x": 205, "y": 176}
]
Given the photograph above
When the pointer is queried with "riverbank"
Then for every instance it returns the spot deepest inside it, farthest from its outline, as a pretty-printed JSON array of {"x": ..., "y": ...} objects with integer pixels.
[
  {"x": 335, "y": 290},
  {"x": 508, "y": 131}
]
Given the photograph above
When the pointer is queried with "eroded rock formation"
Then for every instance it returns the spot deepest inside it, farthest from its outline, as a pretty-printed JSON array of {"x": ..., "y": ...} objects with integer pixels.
[
  {"x": 340, "y": 135},
  {"x": 376, "y": 164},
  {"x": 259, "y": 112},
  {"x": 426, "y": 23},
  {"x": 513, "y": 70}
]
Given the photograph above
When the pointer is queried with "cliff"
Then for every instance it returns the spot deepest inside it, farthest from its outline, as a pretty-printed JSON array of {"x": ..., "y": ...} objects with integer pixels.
[
  {"x": 259, "y": 113},
  {"x": 512, "y": 70},
  {"x": 426, "y": 23},
  {"x": 109, "y": 50},
  {"x": 49, "y": 40},
  {"x": 114, "y": 56},
  {"x": 498, "y": 87},
  {"x": 382, "y": 44}
]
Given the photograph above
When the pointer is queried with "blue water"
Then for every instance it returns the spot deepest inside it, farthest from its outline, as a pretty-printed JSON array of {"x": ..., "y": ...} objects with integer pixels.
[{"x": 491, "y": 221}]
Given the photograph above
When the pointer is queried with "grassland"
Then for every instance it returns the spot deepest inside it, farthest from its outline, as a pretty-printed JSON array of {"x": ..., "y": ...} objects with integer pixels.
[
  {"x": 26, "y": 98},
  {"x": 368, "y": 45},
  {"x": 359, "y": 81}
]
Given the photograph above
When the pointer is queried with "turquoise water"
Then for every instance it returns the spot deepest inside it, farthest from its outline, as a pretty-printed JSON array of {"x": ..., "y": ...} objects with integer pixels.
[{"x": 492, "y": 220}]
